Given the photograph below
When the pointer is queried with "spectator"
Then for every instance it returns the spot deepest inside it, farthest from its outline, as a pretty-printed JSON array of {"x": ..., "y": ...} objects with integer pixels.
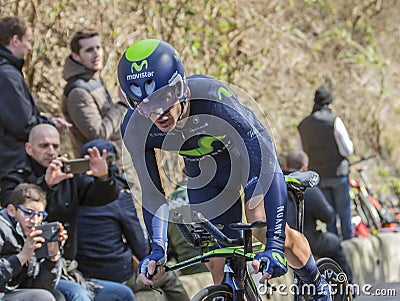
[
  {"x": 316, "y": 207},
  {"x": 65, "y": 193},
  {"x": 111, "y": 234},
  {"x": 23, "y": 277},
  {"x": 325, "y": 140},
  {"x": 86, "y": 101},
  {"x": 19, "y": 112}
]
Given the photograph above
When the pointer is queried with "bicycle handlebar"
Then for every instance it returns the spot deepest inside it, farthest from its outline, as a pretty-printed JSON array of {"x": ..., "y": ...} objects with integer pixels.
[
  {"x": 199, "y": 219},
  {"x": 192, "y": 239}
]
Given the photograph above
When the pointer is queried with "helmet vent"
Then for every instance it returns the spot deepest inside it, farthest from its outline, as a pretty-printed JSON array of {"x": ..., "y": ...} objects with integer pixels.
[
  {"x": 135, "y": 89},
  {"x": 149, "y": 86}
]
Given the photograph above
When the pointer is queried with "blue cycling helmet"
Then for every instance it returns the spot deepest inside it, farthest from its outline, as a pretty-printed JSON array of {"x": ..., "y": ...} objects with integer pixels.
[{"x": 145, "y": 67}]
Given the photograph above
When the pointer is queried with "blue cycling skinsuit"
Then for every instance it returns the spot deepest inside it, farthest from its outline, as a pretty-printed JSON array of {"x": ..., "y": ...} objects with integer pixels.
[{"x": 228, "y": 154}]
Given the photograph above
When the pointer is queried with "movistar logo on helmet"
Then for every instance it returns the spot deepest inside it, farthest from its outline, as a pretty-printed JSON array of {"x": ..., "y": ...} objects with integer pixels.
[
  {"x": 140, "y": 75},
  {"x": 139, "y": 52},
  {"x": 137, "y": 67}
]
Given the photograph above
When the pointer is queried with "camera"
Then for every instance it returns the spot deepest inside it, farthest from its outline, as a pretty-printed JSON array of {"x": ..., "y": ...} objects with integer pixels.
[
  {"x": 51, "y": 245},
  {"x": 76, "y": 165}
]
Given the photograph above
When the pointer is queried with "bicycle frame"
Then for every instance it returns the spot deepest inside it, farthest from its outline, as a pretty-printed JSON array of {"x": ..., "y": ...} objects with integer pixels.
[
  {"x": 236, "y": 274},
  {"x": 238, "y": 252},
  {"x": 372, "y": 212}
]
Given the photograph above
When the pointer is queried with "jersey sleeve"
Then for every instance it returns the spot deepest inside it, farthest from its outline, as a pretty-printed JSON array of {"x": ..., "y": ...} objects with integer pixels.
[{"x": 154, "y": 206}]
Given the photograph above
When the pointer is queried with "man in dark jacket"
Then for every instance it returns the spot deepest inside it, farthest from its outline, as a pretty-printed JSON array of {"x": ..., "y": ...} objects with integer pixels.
[
  {"x": 325, "y": 140},
  {"x": 22, "y": 276},
  {"x": 316, "y": 207},
  {"x": 65, "y": 191},
  {"x": 86, "y": 101},
  {"x": 19, "y": 112}
]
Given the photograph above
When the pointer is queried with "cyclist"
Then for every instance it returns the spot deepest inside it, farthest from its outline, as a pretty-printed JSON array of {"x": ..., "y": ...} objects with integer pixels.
[{"x": 224, "y": 147}]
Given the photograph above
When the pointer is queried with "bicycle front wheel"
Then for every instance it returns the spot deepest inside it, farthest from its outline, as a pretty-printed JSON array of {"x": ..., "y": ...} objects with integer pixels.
[
  {"x": 218, "y": 292},
  {"x": 334, "y": 275}
]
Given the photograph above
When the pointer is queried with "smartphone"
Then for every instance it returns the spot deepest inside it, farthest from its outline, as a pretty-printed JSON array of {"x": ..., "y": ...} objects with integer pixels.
[
  {"x": 51, "y": 245},
  {"x": 76, "y": 165}
]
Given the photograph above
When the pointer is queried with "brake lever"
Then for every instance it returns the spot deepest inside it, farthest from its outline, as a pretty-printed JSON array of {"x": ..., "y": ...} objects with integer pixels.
[{"x": 148, "y": 276}]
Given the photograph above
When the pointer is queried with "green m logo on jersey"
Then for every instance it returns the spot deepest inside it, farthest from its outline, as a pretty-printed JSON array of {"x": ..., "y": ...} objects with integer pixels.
[
  {"x": 225, "y": 92},
  {"x": 176, "y": 57},
  {"x": 205, "y": 147},
  {"x": 137, "y": 67},
  {"x": 279, "y": 258}
]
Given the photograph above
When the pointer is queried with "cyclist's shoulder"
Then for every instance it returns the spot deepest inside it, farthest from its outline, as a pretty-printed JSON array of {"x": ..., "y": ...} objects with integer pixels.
[
  {"x": 208, "y": 88},
  {"x": 125, "y": 121},
  {"x": 134, "y": 121}
]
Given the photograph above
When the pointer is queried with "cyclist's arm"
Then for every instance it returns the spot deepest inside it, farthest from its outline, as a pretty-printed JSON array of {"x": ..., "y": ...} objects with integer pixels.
[
  {"x": 155, "y": 209},
  {"x": 275, "y": 211}
]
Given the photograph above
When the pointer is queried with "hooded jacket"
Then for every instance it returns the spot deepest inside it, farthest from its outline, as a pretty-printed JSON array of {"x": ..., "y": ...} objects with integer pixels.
[
  {"x": 19, "y": 112},
  {"x": 89, "y": 107},
  {"x": 12, "y": 275}
]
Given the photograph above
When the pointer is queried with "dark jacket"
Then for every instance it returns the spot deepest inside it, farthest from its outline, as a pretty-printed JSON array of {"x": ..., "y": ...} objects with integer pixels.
[
  {"x": 12, "y": 275},
  {"x": 316, "y": 207},
  {"x": 19, "y": 112},
  {"x": 108, "y": 237},
  {"x": 64, "y": 198},
  {"x": 317, "y": 138},
  {"x": 89, "y": 107}
]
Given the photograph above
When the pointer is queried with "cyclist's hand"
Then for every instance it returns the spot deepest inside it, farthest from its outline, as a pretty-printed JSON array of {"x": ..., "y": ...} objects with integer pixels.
[
  {"x": 272, "y": 263},
  {"x": 152, "y": 267}
]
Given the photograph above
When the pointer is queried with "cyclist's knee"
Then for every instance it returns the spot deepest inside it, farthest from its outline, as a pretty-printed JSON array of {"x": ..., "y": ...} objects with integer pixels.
[
  {"x": 216, "y": 267},
  {"x": 291, "y": 236}
]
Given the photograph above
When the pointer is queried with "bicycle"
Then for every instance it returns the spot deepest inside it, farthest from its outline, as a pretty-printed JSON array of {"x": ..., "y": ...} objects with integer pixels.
[
  {"x": 238, "y": 285},
  {"x": 375, "y": 215}
]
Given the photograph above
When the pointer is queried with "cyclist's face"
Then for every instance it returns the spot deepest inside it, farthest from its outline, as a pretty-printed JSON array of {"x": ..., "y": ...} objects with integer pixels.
[
  {"x": 168, "y": 120},
  {"x": 91, "y": 54}
]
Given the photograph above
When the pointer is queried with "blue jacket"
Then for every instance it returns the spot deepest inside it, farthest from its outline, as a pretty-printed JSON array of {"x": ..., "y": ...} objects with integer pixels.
[{"x": 108, "y": 236}]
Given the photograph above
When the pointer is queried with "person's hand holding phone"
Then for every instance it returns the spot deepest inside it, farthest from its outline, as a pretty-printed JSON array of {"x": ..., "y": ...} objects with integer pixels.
[
  {"x": 54, "y": 248},
  {"x": 54, "y": 236},
  {"x": 32, "y": 242},
  {"x": 54, "y": 173}
]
